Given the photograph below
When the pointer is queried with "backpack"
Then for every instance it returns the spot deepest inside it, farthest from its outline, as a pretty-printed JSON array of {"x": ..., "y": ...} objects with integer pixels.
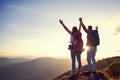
[
  {"x": 77, "y": 42},
  {"x": 77, "y": 38},
  {"x": 95, "y": 38}
]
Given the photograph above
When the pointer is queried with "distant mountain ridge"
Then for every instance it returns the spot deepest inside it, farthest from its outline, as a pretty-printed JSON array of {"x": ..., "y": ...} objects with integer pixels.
[
  {"x": 7, "y": 61},
  {"x": 37, "y": 69}
]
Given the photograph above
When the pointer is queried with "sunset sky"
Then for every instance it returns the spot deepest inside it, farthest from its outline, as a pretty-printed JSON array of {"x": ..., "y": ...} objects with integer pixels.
[{"x": 31, "y": 28}]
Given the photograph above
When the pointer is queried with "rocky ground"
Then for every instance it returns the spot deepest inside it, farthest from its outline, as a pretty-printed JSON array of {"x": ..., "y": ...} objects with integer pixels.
[{"x": 82, "y": 76}]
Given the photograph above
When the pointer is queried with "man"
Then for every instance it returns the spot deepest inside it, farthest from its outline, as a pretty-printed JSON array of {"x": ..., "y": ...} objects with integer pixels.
[
  {"x": 91, "y": 52},
  {"x": 76, "y": 45}
]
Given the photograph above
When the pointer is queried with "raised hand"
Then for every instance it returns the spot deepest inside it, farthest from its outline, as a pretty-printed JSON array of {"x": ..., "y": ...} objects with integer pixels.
[
  {"x": 61, "y": 21},
  {"x": 80, "y": 19},
  {"x": 96, "y": 27}
]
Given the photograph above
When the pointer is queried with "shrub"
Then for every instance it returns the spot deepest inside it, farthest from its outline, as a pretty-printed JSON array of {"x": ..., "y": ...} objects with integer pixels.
[{"x": 113, "y": 70}]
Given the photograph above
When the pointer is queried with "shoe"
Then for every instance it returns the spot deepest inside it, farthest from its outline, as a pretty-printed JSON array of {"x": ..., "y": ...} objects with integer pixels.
[
  {"x": 78, "y": 72},
  {"x": 88, "y": 73},
  {"x": 94, "y": 72},
  {"x": 73, "y": 73}
]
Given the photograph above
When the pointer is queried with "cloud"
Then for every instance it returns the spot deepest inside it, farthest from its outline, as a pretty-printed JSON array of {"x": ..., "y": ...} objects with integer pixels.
[
  {"x": 117, "y": 50},
  {"x": 12, "y": 54},
  {"x": 1, "y": 52},
  {"x": 22, "y": 8},
  {"x": 26, "y": 9},
  {"x": 117, "y": 30}
]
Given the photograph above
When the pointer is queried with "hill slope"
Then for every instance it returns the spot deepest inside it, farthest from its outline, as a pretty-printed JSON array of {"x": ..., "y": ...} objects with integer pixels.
[
  {"x": 38, "y": 69},
  {"x": 101, "y": 65}
]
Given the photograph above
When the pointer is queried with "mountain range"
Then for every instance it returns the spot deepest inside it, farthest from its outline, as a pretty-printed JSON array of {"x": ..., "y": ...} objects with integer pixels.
[
  {"x": 43, "y": 68},
  {"x": 7, "y": 61},
  {"x": 36, "y": 69}
]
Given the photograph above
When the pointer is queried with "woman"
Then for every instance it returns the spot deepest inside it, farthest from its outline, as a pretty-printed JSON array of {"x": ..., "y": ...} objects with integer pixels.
[{"x": 76, "y": 45}]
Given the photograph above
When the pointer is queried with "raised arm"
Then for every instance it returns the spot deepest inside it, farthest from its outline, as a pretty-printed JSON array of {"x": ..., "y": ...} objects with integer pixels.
[
  {"x": 96, "y": 28},
  {"x": 61, "y": 22},
  {"x": 83, "y": 26},
  {"x": 80, "y": 26}
]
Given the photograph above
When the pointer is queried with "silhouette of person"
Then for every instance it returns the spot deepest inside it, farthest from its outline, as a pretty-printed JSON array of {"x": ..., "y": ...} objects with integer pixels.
[
  {"x": 91, "y": 52},
  {"x": 76, "y": 45}
]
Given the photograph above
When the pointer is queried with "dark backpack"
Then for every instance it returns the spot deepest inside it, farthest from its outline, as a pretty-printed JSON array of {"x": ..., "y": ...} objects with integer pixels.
[{"x": 95, "y": 38}]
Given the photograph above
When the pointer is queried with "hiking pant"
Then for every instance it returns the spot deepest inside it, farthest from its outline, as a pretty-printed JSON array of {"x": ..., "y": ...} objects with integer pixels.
[
  {"x": 75, "y": 55},
  {"x": 91, "y": 58}
]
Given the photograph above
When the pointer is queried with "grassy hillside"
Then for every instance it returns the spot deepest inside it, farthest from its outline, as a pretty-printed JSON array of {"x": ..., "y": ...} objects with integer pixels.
[{"x": 101, "y": 65}]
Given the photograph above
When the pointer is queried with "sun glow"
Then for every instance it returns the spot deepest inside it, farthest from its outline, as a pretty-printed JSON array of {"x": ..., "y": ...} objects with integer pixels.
[
  {"x": 87, "y": 48},
  {"x": 35, "y": 29}
]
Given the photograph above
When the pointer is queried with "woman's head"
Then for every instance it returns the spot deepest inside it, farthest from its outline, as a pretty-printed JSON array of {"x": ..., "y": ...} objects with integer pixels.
[{"x": 74, "y": 29}]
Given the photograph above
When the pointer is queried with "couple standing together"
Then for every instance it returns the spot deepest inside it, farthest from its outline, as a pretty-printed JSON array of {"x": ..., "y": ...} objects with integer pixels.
[{"x": 76, "y": 46}]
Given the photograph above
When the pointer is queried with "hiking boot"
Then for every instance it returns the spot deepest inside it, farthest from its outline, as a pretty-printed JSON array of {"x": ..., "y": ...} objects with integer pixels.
[
  {"x": 73, "y": 73},
  {"x": 78, "y": 72},
  {"x": 88, "y": 73},
  {"x": 94, "y": 72}
]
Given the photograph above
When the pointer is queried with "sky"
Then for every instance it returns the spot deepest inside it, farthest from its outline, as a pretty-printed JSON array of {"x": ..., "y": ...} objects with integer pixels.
[{"x": 31, "y": 28}]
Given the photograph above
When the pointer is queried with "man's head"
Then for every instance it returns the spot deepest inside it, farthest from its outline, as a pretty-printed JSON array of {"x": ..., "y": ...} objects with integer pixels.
[{"x": 89, "y": 27}]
